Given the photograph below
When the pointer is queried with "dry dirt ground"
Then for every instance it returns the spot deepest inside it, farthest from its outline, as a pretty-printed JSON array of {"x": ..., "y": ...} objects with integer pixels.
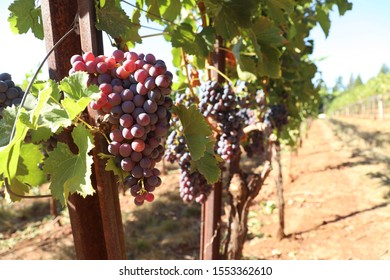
[
  {"x": 336, "y": 190},
  {"x": 337, "y": 197}
]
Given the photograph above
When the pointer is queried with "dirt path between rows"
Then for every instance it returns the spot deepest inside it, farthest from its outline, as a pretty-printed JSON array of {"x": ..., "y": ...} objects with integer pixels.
[{"x": 336, "y": 208}]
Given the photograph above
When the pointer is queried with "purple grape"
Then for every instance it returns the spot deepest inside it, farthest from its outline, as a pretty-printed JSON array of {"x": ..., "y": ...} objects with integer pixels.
[
  {"x": 150, "y": 106},
  {"x": 126, "y": 120},
  {"x": 128, "y": 107},
  {"x": 143, "y": 119},
  {"x": 125, "y": 150}
]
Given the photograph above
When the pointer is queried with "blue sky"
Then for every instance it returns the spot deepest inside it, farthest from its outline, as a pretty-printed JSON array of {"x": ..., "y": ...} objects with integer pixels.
[{"x": 358, "y": 44}]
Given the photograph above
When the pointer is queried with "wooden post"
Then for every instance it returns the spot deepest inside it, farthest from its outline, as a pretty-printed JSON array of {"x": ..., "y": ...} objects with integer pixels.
[
  {"x": 107, "y": 189},
  {"x": 278, "y": 178},
  {"x": 96, "y": 220},
  {"x": 380, "y": 107},
  {"x": 210, "y": 233}
]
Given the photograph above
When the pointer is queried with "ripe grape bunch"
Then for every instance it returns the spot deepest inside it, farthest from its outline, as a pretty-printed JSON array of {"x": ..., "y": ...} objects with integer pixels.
[
  {"x": 276, "y": 116},
  {"x": 193, "y": 186},
  {"x": 251, "y": 112},
  {"x": 135, "y": 99},
  {"x": 220, "y": 103},
  {"x": 9, "y": 93}
]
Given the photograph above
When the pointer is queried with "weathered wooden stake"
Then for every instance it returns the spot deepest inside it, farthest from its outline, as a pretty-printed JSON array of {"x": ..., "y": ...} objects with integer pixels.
[
  {"x": 210, "y": 234},
  {"x": 278, "y": 178},
  {"x": 96, "y": 220}
]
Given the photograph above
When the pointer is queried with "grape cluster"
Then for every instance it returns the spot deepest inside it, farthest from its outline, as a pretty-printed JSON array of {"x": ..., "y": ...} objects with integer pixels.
[
  {"x": 251, "y": 112},
  {"x": 9, "y": 93},
  {"x": 248, "y": 115},
  {"x": 135, "y": 99},
  {"x": 276, "y": 116},
  {"x": 255, "y": 143},
  {"x": 220, "y": 103},
  {"x": 193, "y": 186}
]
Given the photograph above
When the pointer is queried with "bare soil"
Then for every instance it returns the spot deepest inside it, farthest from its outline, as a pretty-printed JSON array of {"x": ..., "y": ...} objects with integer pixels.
[
  {"x": 337, "y": 197},
  {"x": 336, "y": 189}
]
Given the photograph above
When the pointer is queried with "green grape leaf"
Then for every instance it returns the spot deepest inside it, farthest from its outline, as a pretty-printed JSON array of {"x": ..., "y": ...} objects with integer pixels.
[
  {"x": 286, "y": 5},
  {"x": 205, "y": 40},
  {"x": 184, "y": 37},
  {"x": 247, "y": 76},
  {"x": 267, "y": 33},
  {"x": 6, "y": 124},
  {"x": 24, "y": 15},
  {"x": 172, "y": 10},
  {"x": 153, "y": 11},
  {"x": 75, "y": 87},
  {"x": 40, "y": 134},
  {"x": 198, "y": 44},
  {"x": 44, "y": 95},
  {"x": 132, "y": 35},
  {"x": 10, "y": 154},
  {"x": 208, "y": 165},
  {"x": 271, "y": 65},
  {"x": 111, "y": 166},
  {"x": 74, "y": 108},
  {"x": 176, "y": 55},
  {"x": 246, "y": 65},
  {"x": 181, "y": 81},
  {"x": 71, "y": 173},
  {"x": 231, "y": 16},
  {"x": 323, "y": 20},
  {"x": 225, "y": 26},
  {"x": 102, "y": 3},
  {"x": 28, "y": 168},
  {"x": 77, "y": 95},
  {"x": 195, "y": 129},
  {"x": 54, "y": 117},
  {"x": 343, "y": 6},
  {"x": 112, "y": 19}
]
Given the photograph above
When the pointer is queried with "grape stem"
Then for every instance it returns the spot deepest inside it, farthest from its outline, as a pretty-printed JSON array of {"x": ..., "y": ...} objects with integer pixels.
[
  {"x": 7, "y": 186},
  {"x": 220, "y": 73},
  {"x": 185, "y": 65}
]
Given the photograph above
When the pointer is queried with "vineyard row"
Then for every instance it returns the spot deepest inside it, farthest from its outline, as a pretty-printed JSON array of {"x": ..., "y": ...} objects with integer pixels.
[{"x": 373, "y": 107}]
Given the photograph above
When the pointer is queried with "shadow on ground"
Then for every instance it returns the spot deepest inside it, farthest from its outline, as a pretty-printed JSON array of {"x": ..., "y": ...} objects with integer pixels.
[{"x": 165, "y": 229}]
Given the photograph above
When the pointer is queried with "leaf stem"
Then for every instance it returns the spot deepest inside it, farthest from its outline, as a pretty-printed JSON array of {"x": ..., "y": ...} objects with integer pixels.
[
  {"x": 8, "y": 188},
  {"x": 154, "y": 35},
  {"x": 185, "y": 65},
  {"x": 220, "y": 73}
]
